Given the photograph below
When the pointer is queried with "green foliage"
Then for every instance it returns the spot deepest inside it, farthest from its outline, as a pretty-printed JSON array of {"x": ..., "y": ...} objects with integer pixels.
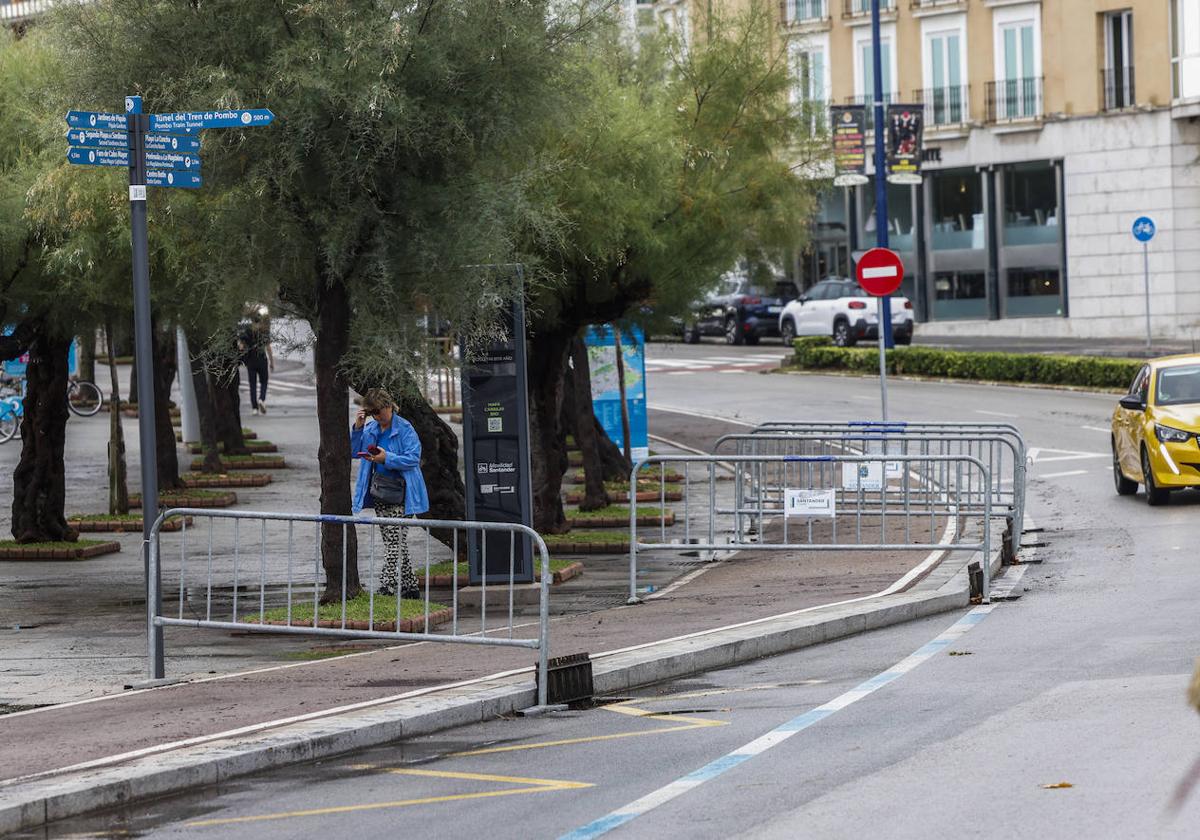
[
  {"x": 672, "y": 165},
  {"x": 818, "y": 353}
]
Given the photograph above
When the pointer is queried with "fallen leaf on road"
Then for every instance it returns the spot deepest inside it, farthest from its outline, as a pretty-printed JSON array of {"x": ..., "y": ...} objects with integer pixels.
[{"x": 1057, "y": 785}]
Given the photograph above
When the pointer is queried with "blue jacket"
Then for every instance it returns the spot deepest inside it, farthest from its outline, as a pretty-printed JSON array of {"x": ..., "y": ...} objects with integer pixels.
[{"x": 403, "y": 449}]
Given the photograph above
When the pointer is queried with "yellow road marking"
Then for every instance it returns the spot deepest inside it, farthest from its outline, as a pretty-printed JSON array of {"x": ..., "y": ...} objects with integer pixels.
[
  {"x": 531, "y": 786},
  {"x": 619, "y": 708}
]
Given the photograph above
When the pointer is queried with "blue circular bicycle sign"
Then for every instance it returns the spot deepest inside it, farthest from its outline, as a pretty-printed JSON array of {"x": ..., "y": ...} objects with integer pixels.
[{"x": 1143, "y": 229}]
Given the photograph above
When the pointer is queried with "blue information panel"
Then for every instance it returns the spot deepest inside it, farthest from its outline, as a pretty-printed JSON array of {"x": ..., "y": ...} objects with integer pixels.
[
  {"x": 172, "y": 143},
  {"x": 98, "y": 138},
  {"x": 94, "y": 119},
  {"x": 120, "y": 157},
  {"x": 171, "y": 178},
  {"x": 606, "y": 394},
  {"x": 196, "y": 120}
]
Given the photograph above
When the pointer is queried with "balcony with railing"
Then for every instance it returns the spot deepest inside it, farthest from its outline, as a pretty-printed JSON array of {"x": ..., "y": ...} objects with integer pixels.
[
  {"x": 869, "y": 101},
  {"x": 924, "y": 5},
  {"x": 945, "y": 106},
  {"x": 862, "y": 8},
  {"x": 1014, "y": 100},
  {"x": 805, "y": 11},
  {"x": 1116, "y": 88}
]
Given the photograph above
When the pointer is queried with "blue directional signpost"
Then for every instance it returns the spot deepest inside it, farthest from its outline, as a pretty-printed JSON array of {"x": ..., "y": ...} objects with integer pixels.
[
  {"x": 1143, "y": 231},
  {"x": 159, "y": 150}
]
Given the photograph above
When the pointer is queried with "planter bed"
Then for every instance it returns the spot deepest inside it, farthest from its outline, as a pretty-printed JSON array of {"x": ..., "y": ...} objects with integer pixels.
[
  {"x": 575, "y": 476},
  {"x": 247, "y": 434},
  {"x": 574, "y": 498},
  {"x": 412, "y": 615},
  {"x": 585, "y": 543},
  {"x": 245, "y": 462},
  {"x": 198, "y": 480},
  {"x": 128, "y": 524},
  {"x": 255, "y": 446},
  {"x": 441, "y": 577},
  {"x": 81, "y": 550},
  {"x": 617, "y": 516},
  {"x": 190, "y": 499}
]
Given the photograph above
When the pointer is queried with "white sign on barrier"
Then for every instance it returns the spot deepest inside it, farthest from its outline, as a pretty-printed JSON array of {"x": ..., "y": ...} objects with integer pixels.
[
  {"x": 809, "y": 502},
  {"x": 895, "y": 469},
  {"x": 862, "y": 475}
]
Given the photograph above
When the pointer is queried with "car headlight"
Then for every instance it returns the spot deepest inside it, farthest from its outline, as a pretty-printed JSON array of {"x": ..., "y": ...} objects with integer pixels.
[{"x": 1166, "y": 434}]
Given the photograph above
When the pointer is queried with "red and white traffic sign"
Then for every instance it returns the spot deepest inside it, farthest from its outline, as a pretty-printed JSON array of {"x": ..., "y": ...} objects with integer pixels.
[{"x": 880, "y": 271}]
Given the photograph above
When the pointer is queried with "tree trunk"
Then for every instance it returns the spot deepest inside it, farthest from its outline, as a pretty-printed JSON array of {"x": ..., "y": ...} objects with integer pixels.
[
  {"x": 205, "y": 405},
  {"x": 227, "y": 409},
  {"x": 132, "y": 399},
  {"x": 548, "y": 448},
  {"x": 333, "y": 453},
  {"x": 87, "y": 355},
  {"x": 39, "y": 480},
  {"x": 577, "y": 404},
  {"x": 164, "y": 433},
  {"x": 616, "y": 466},
  {"x": 118, "y": 472}
]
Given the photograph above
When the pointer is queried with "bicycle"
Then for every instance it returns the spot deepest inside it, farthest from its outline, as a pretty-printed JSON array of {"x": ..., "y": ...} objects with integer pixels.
[
  {"x": 84, "y": 398},
  {"x": 11, "y": 412}
]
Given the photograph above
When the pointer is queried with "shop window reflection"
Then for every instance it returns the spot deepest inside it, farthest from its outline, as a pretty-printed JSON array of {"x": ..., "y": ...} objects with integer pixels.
[{"x": 958, "y": 224}]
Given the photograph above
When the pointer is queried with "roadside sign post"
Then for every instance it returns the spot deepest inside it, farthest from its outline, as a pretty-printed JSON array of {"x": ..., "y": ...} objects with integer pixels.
[
  {"x": 881, "y": 203},
  {"x": 1143, "y": 231},
  {"x": 880, "y": 272},
  {"x": 136, "y": 140}
]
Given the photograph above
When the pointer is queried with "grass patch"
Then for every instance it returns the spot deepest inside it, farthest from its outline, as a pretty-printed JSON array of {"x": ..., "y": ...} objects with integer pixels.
[
  {"x": 356, "y": 610},
  {"x": 448, "y": 567},
  {"x": 191, "y": 493},
  {"x": 60, "y": 544},
  {"x": 610, "y": 536},
  {"x": 613, "y": 511}
]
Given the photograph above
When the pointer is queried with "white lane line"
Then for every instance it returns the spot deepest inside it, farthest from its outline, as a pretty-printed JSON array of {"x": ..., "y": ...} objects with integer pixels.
[
  {"x": 1080, "y": 456},
  {"x": 679, "y": 373},
  {"x": 1097, "y": 429},
  {"x": 1064, "y": 474},
  {"x": 997, "y": 414},
  {"x": 779, "y": 734}
]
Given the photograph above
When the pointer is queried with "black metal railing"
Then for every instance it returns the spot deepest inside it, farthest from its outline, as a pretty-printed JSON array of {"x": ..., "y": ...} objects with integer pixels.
[
  {"x": 800, "y": 11},
  {"x": 1007, "y": 100},
  {"x": 869, "y": 101},
  {"x": 945, "y": 105},
  {"x": 1116, "y": 88},
  {"x": 858, "y": 8}
]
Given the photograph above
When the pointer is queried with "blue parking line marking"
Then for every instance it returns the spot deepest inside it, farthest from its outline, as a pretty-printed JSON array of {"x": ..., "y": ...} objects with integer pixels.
[{"x": 779, "y": 734}]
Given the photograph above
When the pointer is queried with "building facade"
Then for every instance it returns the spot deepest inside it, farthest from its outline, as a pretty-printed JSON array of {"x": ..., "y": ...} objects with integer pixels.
[{"x": 1050, "y": 127}]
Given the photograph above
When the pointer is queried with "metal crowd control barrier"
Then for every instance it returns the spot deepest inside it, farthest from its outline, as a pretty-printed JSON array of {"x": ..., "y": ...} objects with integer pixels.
[
  {"x": 241, "y": 577},
  {"x": 1001, "y": 450},
  {"x": 840, "y": 502}
]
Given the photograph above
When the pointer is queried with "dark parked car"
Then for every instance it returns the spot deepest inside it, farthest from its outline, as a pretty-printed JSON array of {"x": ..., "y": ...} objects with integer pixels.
[{"x": 740, "y": 310}]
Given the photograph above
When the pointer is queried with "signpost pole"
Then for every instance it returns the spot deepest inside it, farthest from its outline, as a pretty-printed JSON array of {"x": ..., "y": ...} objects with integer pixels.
[
  {"x": 881, "y": 211},
  {"x": 137, "y": 123},
  {"x": 1146, "y": 279}
]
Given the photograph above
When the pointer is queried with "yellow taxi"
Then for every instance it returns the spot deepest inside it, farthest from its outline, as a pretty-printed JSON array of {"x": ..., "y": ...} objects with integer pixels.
[{"x": 1156, "y": 430}]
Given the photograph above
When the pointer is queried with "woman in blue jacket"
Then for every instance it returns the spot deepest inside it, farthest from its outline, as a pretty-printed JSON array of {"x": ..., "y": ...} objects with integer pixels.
[{"x": 390, "y": 449}]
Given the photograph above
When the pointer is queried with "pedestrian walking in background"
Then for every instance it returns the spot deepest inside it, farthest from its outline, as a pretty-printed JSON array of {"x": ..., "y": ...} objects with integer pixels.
[
  {"x": 390, "y": 481},
  {"x": 255, "y": 343}
]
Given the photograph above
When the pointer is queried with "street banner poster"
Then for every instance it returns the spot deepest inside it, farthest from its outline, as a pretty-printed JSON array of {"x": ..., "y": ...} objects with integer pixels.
[
  {"x": 905, "y": 133},
  {"x": 849, "y": 144},
  {"x": 496, "y": 451},
  {"x": 606, "y": 393},
  {"x": 16, "y": 367}
]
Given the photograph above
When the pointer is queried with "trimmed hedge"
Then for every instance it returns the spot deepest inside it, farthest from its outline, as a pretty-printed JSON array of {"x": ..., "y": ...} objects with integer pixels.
[{"x": 819, "y": 353}]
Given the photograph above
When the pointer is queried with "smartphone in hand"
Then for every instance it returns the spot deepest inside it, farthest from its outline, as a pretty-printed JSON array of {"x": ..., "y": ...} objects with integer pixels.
[{"x": 372, "y": 451}]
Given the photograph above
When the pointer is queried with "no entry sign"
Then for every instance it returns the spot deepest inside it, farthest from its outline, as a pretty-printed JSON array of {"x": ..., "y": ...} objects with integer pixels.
[{"x": 880, "y": 271}]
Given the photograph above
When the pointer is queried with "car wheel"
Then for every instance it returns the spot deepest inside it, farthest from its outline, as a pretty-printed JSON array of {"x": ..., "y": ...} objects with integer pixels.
[
  {"x": 841, "y": 334},
  {"x": 1125, "y": 486},
  {"x": 732, "y": 334},
  {"x": 691, "y": 335},
  {"x": 1155, "y": 495},
  {"x": 787, "y": 332}
]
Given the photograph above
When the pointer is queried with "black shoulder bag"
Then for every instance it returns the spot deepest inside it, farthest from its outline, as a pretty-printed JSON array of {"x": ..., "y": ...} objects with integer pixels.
[{"x": 390, "y": 490}]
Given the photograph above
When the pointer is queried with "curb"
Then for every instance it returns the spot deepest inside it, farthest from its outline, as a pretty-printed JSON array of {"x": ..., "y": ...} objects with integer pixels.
[{"x": 35, "y": 801}]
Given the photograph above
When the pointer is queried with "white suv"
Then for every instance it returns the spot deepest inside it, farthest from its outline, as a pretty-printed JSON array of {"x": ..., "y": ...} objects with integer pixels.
[{"x": 840, "y": 309}]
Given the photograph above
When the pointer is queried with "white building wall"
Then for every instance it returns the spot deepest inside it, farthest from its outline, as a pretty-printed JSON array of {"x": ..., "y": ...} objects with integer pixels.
[{"x": 1116, "y": 168}]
